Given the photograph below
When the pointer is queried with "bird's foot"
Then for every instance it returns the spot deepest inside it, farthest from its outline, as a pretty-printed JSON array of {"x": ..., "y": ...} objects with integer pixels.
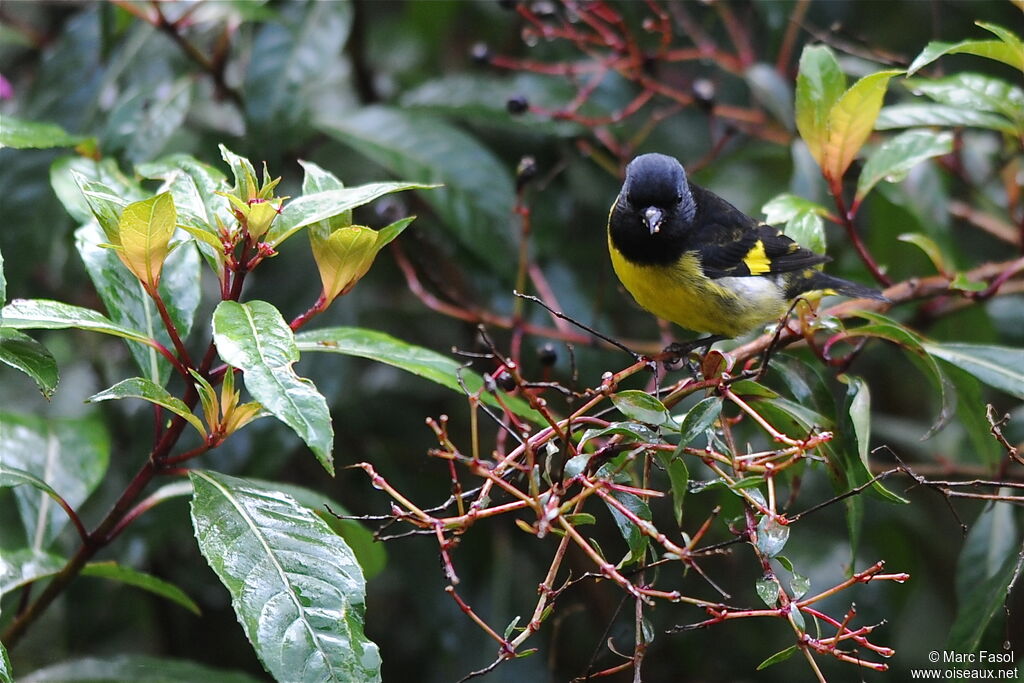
[{"x": 676, "y": 355}]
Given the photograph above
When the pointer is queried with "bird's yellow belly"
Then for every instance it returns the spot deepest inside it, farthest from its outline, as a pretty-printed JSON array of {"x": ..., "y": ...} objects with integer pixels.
[{"x": 682, "y": 294}]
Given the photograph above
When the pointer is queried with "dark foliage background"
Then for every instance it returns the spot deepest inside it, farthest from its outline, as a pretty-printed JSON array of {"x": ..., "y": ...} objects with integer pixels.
[{"x": 378, "y": 89}]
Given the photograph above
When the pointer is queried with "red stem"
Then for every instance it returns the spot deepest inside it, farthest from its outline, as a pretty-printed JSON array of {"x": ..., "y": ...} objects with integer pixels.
[{"x": 846, "y": 219}]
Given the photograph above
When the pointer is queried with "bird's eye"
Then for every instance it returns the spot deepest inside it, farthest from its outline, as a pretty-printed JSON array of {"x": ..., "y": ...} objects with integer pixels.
[{"x": 679, "y": 197}]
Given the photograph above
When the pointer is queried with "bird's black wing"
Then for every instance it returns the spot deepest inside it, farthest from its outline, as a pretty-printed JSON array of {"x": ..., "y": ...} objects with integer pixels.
[{"x": 732, "y": 244}]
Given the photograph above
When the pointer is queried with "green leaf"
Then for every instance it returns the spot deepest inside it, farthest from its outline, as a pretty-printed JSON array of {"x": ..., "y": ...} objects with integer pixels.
[
  {"x": 147, "y": 582},
  {"x": 129, "y": 305},
  {"x": 25, "y": 565},
  {"x": 771, "y": 536},
  {"x": 194, "y": 186},
  {"x": 799, "y": 585},
  {"x": 961, "y": 282},
  {"x": 289, "y": 68},
  {"x": 988, "y": 565},
  {"x": 895, "y": 157},
  {"x": 768, "y": 591},
  {"x": 22, "y": 134},
  {"x": 296, "y": 588},
  {"x": 635, "y": 538},
  {"x": 6, "y": 672},
  {"x": 144, "y": 234},
  {"x": 255, "y": 338},
  {"x": 993, "y": 539},
  {"x": 70, "y": 455},
  {"x": 928, "y": 246},
  {"x": 70, "y": 176},
  {"x": 773, "y": 91},
  {"x": 12, "y": 476},
  {"x": 642, "y": 407},
  {"x": 370, "y": 552},
  {"x": 886, "y": 328},
  {"x": 246, "y": 186},
  {"x": 1009, "y": 50},
  {"x": 134, "y": 668},
  {"x": 477, "y": 200},
  {"x": 801, "y": 218},
  {"x": 819, "y": 85},
  {"x": 851, "y": 121},
  {"x": 24, "y": 353},
  {"x": 679, "y": 479},
  {"x": 481, "y": 99},
  {"x": 970, "y": 408},
  {"x": 631, "y": 431},
  {"x": 1010, "y": 39},
  {"x": 1000, "y": 367},
  {"x": 780, "y": 656},
  {"x": 857, "y": 437},
  {"x": 44, "y": 314},
  {"x": 911, "y": 115},
  {"x": 316, "y": 179},
  {"x": 3, "y": 283},
  {"x": 383, "y": 348},
  {"x": 973, "y": 91},
  {"x": 147, "y": 390},
  {"x": 320, "y": 206},
  {"x": 146, "y": 116},
  {"x": 343, "y": 256},
  {"x": 699, "y": 419}
]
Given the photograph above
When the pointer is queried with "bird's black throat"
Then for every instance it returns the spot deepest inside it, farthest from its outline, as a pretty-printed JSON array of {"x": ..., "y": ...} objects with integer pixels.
[{"x": 631, "y": 236}]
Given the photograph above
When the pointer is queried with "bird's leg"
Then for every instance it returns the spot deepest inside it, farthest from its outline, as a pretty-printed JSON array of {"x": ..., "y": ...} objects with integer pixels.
[
  {"x": 758, "y": 375},
  {"x": 674, "y": 353}
]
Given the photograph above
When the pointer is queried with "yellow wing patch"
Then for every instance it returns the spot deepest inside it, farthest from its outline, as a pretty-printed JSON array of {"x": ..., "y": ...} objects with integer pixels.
[{"x": 756, "y": 259}]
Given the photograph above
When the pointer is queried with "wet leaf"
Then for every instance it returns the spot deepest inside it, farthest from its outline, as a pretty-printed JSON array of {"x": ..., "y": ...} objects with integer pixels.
[
  {"x": 22, "y": 134},
  {"x": 319, "y": 206},
  {"x": 679, "y": 479},
  {"x": 780, "y": 656},
  {"x": 369, "y": 551},
  {"x": 771, "y": 536},
  {"x": 69, "y": 455},
  {"x": 851, "y": 121},
  {"x": 254, "y": 338},
  {"x": 24, "y": 353},
  {"x": 988, "y": 563},
  {"x": 478, "y": 195},
  {"x": 699, "y": 419},
  {"x": 913, "y": 115},
  {"x": 973, "y": 91},
  {"x": 819, "y": 85},
  {"x": 134, "y": 668},
  {"x": 1000, "y": 367},
  {"x": 928, "y": 246},
  {"x": 295, "y": 585},
  {"x": 147, "y": 582},
  {"x": 147, "y": 390},
  {"x": 43, "y": 314},
  {"x": 895, "y": 157},
  {"x": 799, "y": 585},
  {"x": 25, "y": 565},
  {"x": 642, "y": 407},
  {"x": 383, "y": 348},
  {"x": 768, "y": 591}
]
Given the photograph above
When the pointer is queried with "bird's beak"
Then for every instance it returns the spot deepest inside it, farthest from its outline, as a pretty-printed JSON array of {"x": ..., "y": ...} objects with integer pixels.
[{"x": 653, "y": 216}]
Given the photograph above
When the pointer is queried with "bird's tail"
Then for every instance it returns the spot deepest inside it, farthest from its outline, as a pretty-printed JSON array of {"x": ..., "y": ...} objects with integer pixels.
[{"x": 829, "y": 284}]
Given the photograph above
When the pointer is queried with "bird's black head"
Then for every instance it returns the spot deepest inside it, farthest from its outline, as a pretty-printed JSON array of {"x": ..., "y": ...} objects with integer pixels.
[
  {"x": 652, "y": 217},
  {"x": 656, "y": 189}
]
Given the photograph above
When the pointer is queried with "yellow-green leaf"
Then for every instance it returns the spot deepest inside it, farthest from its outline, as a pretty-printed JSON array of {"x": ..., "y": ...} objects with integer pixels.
[
  {"x": 346, "y": 254},
  {"x": 819, "y": 85},
  {"x": 851, "y": 120},
  {"x": 145, "y": 231}
]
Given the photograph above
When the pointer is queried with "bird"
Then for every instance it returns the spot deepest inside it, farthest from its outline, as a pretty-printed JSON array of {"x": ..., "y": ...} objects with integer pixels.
[{"x": 690, "y": 257}]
